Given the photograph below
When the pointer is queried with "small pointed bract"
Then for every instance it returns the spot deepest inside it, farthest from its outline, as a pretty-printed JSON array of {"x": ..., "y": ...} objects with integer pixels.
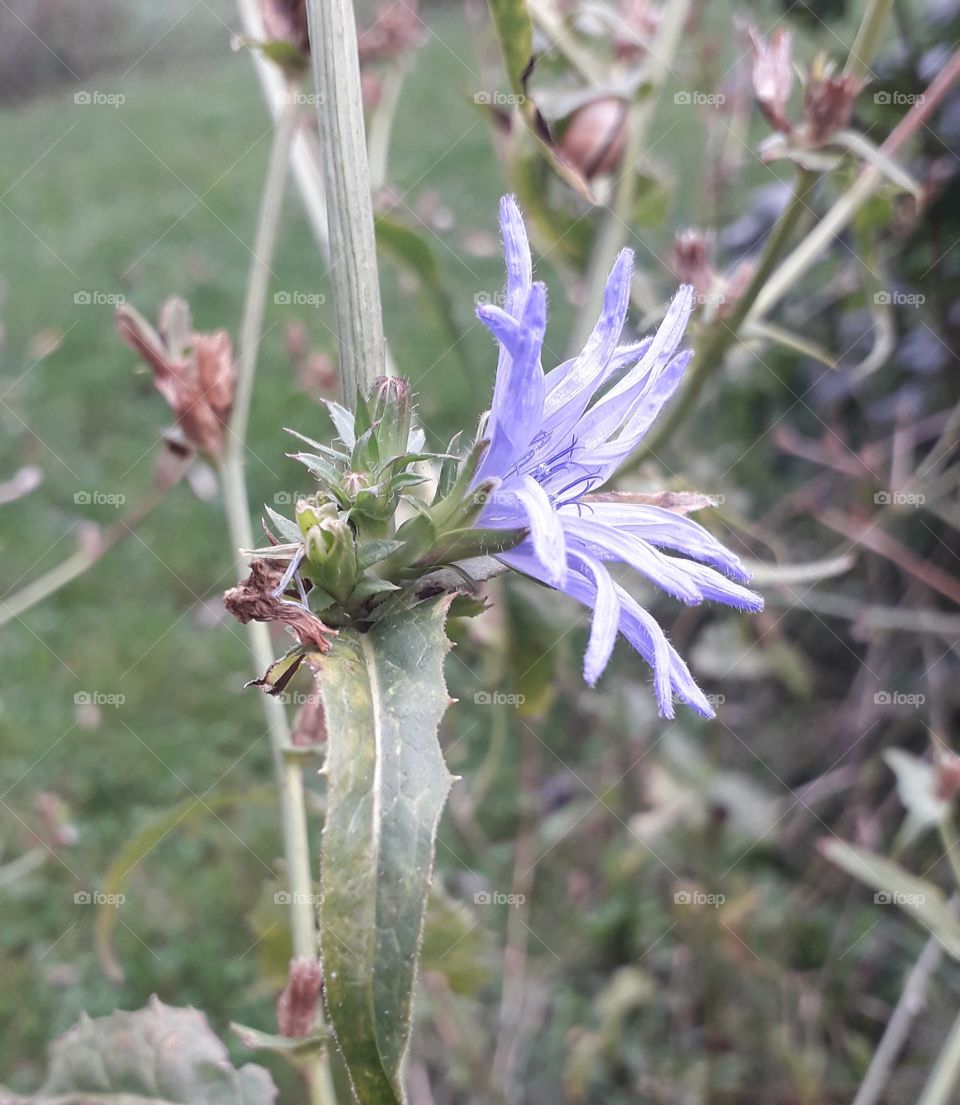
[{"x": 557, "y": 437}]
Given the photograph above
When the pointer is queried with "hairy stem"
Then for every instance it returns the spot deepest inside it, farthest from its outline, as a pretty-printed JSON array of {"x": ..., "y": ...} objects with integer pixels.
[
  {"x": 292, "y": 799},
  {"x": 353, "y": 261}
]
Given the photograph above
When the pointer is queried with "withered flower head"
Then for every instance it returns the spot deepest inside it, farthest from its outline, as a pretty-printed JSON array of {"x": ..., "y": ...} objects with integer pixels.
[
  {"x": 297, "y": 1005},
  {"x": 773, "y": 75},
  {"x": 286, "y": 21},
  {"x": 396, "y": 30},
  {"x": 596, "y": 136},
  {"x": 256, "y": 600},
  {"x": 828, "y": 101},
  {"x": 194, "y": 372},
  {"x": 691, "y": 260}
]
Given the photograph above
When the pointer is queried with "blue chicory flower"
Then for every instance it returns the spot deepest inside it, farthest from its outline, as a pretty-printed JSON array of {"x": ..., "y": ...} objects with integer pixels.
[{"x": 556, "y": 437}]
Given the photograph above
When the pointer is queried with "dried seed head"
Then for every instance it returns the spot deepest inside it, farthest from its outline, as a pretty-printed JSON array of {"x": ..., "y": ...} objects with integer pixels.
[
  {"x": 773, "y": 75},
  {"x": 194, "y": 372},
  {"x": 596, "y": 136},
  {"x": 297, "y": 1005},
  {"x": 828, "y": 101},
  {"x": 255, "y": 600}
]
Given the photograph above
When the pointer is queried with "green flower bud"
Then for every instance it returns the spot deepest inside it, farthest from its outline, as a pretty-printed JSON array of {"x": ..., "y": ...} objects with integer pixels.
[
  {"x": 310, "y": 514},
  {"x": 391, "y": 410},
  {"x": 332, "y": 556}
]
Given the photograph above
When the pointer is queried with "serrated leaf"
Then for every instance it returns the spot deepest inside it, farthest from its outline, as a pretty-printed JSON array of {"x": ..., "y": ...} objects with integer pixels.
[
  {"x": 318, "y": 467},
  {"x": 374, "y": 551},
  {"x": 343, "y": 421},
  {"x": 384, "y": 695},
  {"x": 918, "y": 898},
  {"x": 328, "y": 450},
  {"x": 159, "y": 1055},
  {"x": 286, "y": 528}
]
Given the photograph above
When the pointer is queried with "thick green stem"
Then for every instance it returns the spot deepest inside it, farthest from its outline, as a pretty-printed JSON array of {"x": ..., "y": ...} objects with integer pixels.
[
  {"x": 353, "y": 261},
  {"x": 292, "y": 798},
  {"x": 866, "y": 43},
  {"x": 615, "y": 228},
  {"x": 723, "y": 332}
]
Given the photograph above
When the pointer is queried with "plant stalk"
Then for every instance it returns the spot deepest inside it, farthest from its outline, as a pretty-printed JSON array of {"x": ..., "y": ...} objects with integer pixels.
[
  {"x": 942, "y": 1083},
  {"x": 292, "y": 798},
  {"x": 353, "y": 261},
  {"x": 869, "y": 32}
]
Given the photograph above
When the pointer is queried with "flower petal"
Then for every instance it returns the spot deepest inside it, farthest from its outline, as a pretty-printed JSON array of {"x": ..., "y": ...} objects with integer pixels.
[
  {"x": 516, "y": 253},
  {"x": 546, "y": 533},
  {"x": 606, "y": 618}
]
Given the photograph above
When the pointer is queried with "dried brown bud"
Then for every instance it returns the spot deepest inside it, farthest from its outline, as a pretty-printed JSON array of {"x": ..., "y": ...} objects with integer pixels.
[
  {"x": 396, "y": 30},
  {"x": 194, "y": 372},
  {"x": 297, "y": 1005},
  {"x": 828, "y": 101},
  {"x": 596, "y": 136},
  {"x": 773, "y": 75},
  {"x": 691, "y": 262},
  {"x": 253, "y": 600},
  {"x": 286, "y": 21}
]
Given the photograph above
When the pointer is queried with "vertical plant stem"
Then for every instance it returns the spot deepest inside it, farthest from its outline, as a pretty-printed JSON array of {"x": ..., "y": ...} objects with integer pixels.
[
  {"x": 723, "y": 332},
  {"x": 292, "y": 799},
  {"x": 353, "y": 261},
  {"x": 865, "y": 45},
  {"x": 941, "y": 1086},
  {"x": 615, "y": 228}
]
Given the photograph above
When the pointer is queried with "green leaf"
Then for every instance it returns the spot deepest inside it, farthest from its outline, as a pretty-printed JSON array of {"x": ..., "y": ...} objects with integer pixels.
[
  {"x": 918, "y": 898},
  {"x": 343, "y": 422},
  {"x": 384, "y": 695},
  {"x": 285, "y": 527},
  {"x": 158, "y": 1055},
  {"x": 511, "y": 21},
  {"x": 374, "y": 551}
]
